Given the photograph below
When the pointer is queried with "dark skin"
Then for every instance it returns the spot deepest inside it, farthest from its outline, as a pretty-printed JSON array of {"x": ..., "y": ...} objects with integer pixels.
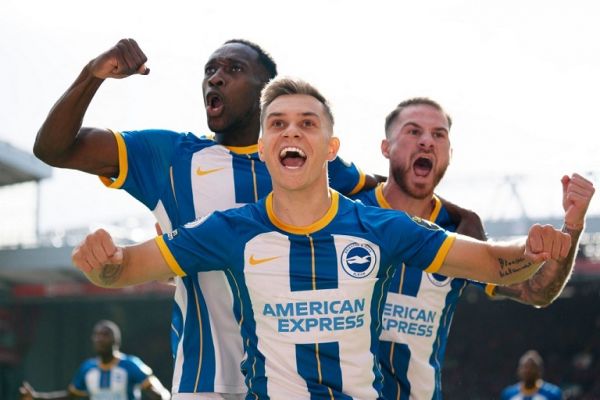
[
  {"x": 233, "y": 74},
  {"x": 107, "y": 350}
]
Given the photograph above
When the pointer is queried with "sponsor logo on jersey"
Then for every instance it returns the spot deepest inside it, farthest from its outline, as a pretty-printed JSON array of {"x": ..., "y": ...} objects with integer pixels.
[{"x": 358, "y": 259}]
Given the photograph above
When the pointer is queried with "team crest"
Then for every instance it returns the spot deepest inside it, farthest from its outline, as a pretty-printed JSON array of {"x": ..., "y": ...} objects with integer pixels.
[
  {"x": 358, "y": 260},
  {"x": 425, "y": 224}
]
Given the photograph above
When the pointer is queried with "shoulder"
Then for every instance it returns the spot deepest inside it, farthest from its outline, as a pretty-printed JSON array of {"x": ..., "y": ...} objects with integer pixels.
[
  {"x": 509, "y": 392},
  {"x": 131, "y": 362},
  {"x": 551, "y": 389},
  {"x": 88, "y": 364}
]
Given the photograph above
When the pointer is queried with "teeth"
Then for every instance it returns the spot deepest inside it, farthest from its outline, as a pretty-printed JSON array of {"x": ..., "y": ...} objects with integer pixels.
[{"x": 286, "y": 150}]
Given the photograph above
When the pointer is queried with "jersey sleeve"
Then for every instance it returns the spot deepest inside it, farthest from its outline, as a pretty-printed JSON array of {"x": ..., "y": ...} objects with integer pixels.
[
  {"x": 203, "y": 245},
  {"x": 144, "y": 163},
  {"x": 345, "y": 177},
  {"x": 78, "y": 385},
  {"x": 417, "y": 243},
  {"x": 137, "y": 371}
]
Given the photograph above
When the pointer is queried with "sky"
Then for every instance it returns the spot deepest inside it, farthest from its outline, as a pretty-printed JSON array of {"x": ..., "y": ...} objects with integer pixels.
[{"x": 520, "y": 79}]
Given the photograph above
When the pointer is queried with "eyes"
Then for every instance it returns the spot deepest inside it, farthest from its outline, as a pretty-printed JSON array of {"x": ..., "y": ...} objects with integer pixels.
[
  {"x": 437, "y": 134},
  {"x": 210, "y": 69},
  {"x": 307, "y": 123}
]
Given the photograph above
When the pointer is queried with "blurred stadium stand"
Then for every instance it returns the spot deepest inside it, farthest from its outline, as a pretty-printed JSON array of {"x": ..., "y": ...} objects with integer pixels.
[{"x": 47, "y": 310}]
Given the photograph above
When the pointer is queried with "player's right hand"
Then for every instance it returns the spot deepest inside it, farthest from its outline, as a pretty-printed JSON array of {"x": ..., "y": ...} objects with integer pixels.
[
  {"x": 96, "y": 250},
  {"x": 120, "y": 61},
  {"x": 544, "y": 242}
]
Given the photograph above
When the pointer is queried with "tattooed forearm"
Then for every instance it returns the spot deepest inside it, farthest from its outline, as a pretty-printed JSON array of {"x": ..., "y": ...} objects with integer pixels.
[
  {"x": 110, "y": 273},
  {"x": 510, "y": 267},
  {"x": 548, "y": 282}
]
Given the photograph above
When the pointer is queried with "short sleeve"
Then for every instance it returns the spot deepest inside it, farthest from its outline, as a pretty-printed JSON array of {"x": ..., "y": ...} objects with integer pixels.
[{"x": 345, "y": 177}]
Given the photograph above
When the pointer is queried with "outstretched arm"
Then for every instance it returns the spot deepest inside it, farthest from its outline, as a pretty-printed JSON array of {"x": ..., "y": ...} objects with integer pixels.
[
  {"x": 27, "y": 392},
  {"x": 505, "y": 263},
  {"x": 154, "y": 390},
  {"x": 61, "y": 141},
  {"x": 108, "y": 265},
  {"x": 548, "y": 282}
]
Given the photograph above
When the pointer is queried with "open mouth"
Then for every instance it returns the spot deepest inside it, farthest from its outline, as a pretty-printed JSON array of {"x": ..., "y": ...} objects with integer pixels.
[
  {"x": 292, "y": 157},
  {"x": 214, "y": 104},
  {"x": 422, "y": 166}
]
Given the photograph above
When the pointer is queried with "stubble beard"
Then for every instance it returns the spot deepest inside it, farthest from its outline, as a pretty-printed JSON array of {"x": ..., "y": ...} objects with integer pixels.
[{"x": 417, "y": 191}]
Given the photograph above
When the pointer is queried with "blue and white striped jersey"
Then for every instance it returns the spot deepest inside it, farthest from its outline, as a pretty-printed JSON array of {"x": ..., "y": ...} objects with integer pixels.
[
  {"x": 308, "y": 299},
  {"x": 416, "y": 319},
  {"x": 119, "y": 380},
  {"x": 545, "y": 391},
  {"x": 181, "y": 177}
]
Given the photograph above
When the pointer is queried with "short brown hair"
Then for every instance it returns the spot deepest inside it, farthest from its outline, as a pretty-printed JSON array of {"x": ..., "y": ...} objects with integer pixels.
[
  {"x": 285, "y": 86},
  {"x": 415, "y": 101}
]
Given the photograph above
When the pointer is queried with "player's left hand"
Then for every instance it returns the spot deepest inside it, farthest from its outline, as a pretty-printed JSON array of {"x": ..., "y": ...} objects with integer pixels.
[{"x": 544, "y": 242}]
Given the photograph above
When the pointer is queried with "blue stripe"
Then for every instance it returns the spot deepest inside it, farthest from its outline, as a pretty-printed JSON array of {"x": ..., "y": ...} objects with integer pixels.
[
  {"x": 301, "y": 263},
  {"x": 182, "y": 184},
  {"x": 104, "y": 378},
  {"x": 190, "y": 380},
  {"x": 176, "y": 328},
  {"x": 248, "y": 172},
  {"x": 412, "y": 281},
  {"x": 439, "y": 345},
  {"x": 395, "y": 370},
  {"x": 319, "y": 365},
  {"x": 253, "y": 367}
]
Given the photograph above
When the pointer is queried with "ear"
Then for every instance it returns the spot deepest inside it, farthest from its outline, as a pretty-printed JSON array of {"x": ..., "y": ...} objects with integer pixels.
[
  {"x": 260, "y": 149},
  {"x": 450, "y": 155},
  {"x": 385, "y": 148},
  {"x": 333, "y": 148}
]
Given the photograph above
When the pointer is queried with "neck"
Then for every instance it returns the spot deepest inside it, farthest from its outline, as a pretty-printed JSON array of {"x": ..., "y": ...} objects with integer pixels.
[
  {"x": 532, "y": 385},
  {"x": 240, "y": 134},
  {"x": 301, "y": 208},
  {"x": 107, "y": 357},
  {"x": 400, "y": 200}
]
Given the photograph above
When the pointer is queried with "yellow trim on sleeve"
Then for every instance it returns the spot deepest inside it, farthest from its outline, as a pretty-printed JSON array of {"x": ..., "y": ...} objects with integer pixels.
[
  {"x": 489, "y": 289},
  {"x": 117, "y": 183},
  {"x": 437, "y": 262},
  {"x": 168, "y": 256},
  {"x": 361, "y": 183},
  {"x": 79, "y": 393}
]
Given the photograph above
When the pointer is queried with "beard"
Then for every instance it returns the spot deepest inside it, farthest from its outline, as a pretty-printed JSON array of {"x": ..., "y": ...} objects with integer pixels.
[{"x": 420, "y": 191}]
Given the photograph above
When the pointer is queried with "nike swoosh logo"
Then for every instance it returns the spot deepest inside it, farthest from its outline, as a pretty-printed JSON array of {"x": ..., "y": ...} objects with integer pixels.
[
  {"x": 256, "y": 261},
  {"x": 202, "y": 172}
]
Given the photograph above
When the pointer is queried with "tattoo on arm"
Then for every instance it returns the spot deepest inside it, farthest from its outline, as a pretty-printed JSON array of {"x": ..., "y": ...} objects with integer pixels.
[
  {"x": 111, "y": 273},
  {"x": 510, "y": 267},
  {"x": 548, "y": 282}
]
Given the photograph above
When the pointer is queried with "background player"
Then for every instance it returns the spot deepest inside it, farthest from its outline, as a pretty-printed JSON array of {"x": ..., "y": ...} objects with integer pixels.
[
  {"x": 420, "y": 306},
  {"x": 111, "y": 374},
  {"x": 530, "y": 385},
  {"x": 306, "y": 253}
]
